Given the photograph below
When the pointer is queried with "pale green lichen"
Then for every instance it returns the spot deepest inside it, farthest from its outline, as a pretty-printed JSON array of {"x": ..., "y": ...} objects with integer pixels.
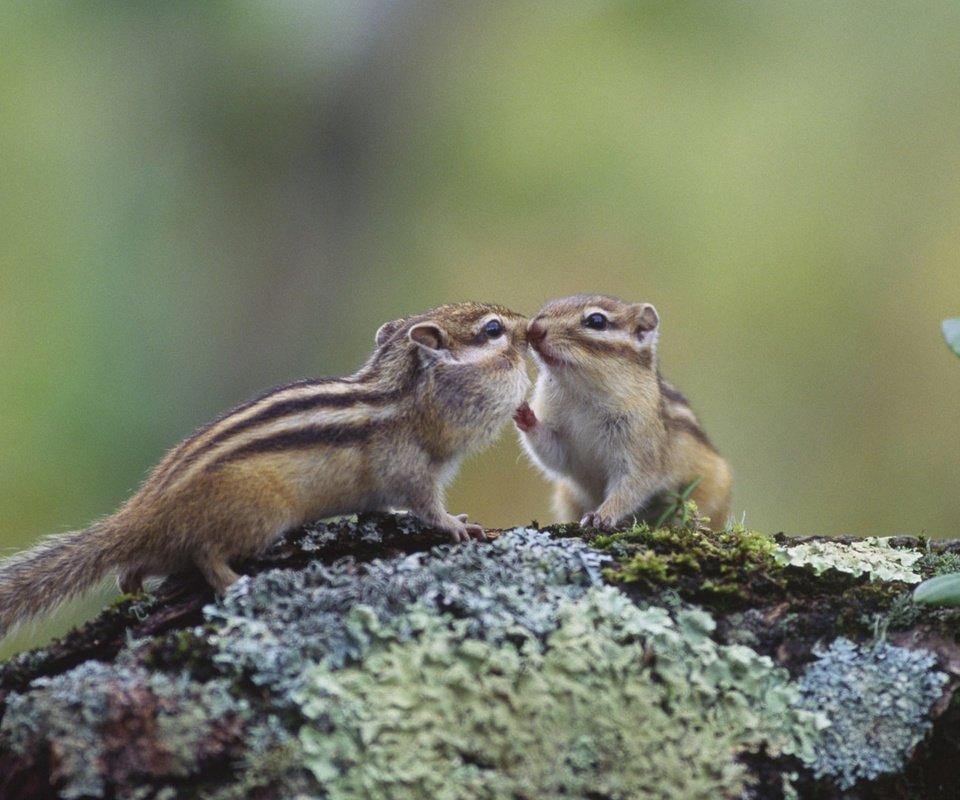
[
  {"x": 616, "y": 701},
  {"x": 277, "y": 624},
  {"x": 487, "y": 670},
  {"x": 878, "y": 701},
  {"x": 871, "y": 556}
]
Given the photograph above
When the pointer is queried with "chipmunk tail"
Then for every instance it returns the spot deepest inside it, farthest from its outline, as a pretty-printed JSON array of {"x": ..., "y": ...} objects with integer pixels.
[{"x": 60, "y": 567}]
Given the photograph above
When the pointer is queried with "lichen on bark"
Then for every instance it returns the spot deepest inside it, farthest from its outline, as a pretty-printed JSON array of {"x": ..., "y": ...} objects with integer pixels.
[{"x": 362, "y": 658}]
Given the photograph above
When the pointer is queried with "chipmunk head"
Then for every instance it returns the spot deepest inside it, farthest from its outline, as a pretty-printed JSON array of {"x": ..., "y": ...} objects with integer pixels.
[
  {"x": 465, "y": 359},
  {"x": 594, "y": 333},
  {"x": 459, "y": 334}
]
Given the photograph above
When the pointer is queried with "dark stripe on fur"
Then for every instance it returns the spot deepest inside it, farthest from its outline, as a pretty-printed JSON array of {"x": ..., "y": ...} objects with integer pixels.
[
  {"x": 283, "y": 408},
  {"x": 172, "y": 460},
  {"x": 672, "y": 394},
  {"x": 191, "y": 448},
  {"x": 680, "y": 425},
  {"x": 303, "y": 438},
  {"x": 306, "y": 383}
]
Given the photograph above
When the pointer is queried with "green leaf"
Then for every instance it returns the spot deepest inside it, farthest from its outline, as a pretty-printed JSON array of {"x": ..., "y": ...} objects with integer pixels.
[
  {"x": 944, "y": 590},
  {"x": 951, "y": 332}
]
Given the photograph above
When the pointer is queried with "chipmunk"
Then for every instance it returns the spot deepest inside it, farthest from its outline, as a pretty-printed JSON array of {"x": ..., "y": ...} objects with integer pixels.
[
  {"x": 438, "y": 386},
  {"x": 604, "y": 425}
]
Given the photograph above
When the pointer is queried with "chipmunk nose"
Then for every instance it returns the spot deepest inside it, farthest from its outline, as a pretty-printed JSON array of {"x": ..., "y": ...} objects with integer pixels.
[{"x": 536, "y": 333}]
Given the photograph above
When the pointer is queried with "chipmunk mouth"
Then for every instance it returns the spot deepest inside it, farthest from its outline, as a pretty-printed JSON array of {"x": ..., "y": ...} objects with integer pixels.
[{"x": 546, "y": 356}]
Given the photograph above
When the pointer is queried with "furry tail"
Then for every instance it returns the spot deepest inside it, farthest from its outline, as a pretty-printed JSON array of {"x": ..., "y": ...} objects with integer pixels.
[{"x": 59, "y": 568}]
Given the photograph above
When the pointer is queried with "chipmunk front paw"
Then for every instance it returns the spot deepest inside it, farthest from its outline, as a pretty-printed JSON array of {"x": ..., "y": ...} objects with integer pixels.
[
  {"x": 463, "y": 531},
  {"x": 594, "y": 519},
  {"x": 524, "y": 417}
]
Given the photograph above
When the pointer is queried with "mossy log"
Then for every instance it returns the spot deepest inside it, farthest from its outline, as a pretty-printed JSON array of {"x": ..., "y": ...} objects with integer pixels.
[{"x": 367, "y": 658}]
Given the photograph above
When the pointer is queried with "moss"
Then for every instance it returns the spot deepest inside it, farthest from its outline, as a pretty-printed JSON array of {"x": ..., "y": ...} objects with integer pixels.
[
  {"x": 645, "y": 565},
  {"x": 738, "y": 569},
  {"x": 933, "y": 563},
  {"x": 617, "y": 702},
  {"x": 189, "y": 650},
  {"x": 877, "y": 700},
  {"x": 708, "y": 566},
  {"x": 902, "y": 613}
]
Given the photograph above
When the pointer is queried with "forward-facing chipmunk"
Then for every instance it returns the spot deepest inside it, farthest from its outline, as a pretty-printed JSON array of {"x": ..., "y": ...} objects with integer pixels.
[
  {"x": 604, "y": 425},
  {"x": 438, "y": 386}
]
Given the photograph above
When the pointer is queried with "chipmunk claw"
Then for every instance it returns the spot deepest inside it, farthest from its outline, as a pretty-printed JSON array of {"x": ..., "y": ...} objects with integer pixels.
[
  {"x": 594, "y": 519},
  {"x": 464, "y": 531}
]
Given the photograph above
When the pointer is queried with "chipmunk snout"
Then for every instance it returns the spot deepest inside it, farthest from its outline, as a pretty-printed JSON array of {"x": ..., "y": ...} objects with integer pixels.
[{"x": 536, "y": 333}]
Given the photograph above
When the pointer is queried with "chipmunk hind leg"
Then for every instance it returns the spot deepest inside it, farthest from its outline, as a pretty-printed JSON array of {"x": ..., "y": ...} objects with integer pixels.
[
  {"x": 218, "y": 574},
  {"x": 713, "y": 494},
  {"x": 258, "y": 511},
  {"x": 569, "y": 504},
  {"x": 130, "y": 580},
  {"x": 227, "y": 545}
]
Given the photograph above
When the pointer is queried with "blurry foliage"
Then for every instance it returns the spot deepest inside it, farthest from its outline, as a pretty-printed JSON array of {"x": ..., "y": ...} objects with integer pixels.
[
  {"x": 943, "y": 590},
  {"x": 202, "y": 200},
  {"x": 951, "y": 332}
]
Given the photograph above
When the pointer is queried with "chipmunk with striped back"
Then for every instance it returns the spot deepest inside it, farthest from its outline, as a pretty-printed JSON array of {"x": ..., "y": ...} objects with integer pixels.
[
  {"x": 602, "y": 422},
  {"x": 437, "y": 387}
]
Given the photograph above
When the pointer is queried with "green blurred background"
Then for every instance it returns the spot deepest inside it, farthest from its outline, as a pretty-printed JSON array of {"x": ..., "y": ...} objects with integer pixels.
[{"x": 200, "y": 200}]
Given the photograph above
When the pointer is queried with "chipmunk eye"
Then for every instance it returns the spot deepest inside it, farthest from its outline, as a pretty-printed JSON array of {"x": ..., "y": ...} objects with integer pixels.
[
  {"x": 596, "y": 321},
  {"x": 493, "y": 329}
]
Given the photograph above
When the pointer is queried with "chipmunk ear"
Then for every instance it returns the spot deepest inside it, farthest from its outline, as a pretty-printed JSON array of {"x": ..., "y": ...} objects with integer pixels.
[
  {"x": 647, "y": 320},
  {"x": 428, "y": 335},
  {"x": 387, "y": 330}
]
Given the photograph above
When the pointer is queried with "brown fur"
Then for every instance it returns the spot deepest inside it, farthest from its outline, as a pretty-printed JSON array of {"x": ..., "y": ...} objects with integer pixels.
[
  {"x": 603, "y": 424},
  {"x": 436, "y": 388}
]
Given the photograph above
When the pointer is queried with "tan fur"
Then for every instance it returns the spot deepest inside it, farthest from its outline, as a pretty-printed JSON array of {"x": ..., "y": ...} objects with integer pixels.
[
  {"x": 603, "y": 424},
  {"x": 437, "y": 387}
]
